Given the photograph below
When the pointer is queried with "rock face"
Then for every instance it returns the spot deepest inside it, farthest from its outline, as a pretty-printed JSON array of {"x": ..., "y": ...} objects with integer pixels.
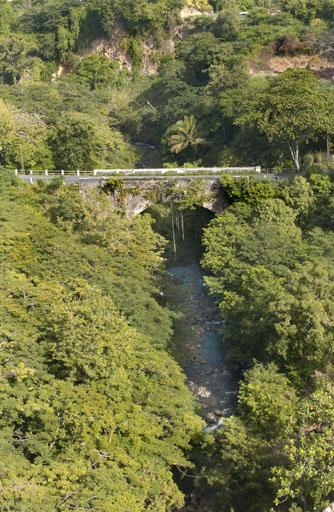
[
  {"x": 195, "y": 8},
  {"x": 114, "y": 48},
  {"x": 189, "y": 12}
]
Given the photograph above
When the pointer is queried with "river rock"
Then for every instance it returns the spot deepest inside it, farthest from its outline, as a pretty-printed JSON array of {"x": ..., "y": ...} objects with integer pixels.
[
  {"x": 219, "y": 412},
  {"x": 203, "y": 392},
  {"x": 227, "y": 412},
  {"x": 211, "y": 417}
]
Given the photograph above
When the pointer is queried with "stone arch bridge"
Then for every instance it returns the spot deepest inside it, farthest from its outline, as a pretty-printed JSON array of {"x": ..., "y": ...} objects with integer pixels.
[
  {"x": 136, "y": 190},
  {"x": 137, "y": 194}
]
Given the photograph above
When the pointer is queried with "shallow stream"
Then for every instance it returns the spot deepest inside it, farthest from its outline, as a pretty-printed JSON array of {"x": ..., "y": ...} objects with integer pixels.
[{"x": 203, "y": 362}]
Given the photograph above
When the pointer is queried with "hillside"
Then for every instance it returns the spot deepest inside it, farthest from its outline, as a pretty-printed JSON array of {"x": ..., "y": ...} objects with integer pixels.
[
  {"x": 84, "y": 351},
  {"x": 181, "y": 360},
  {"x": 119, "y": 75}
]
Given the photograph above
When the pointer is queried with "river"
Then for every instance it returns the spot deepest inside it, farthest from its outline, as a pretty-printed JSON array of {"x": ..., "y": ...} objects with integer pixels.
[
  {"x": 202, "y": 346},
  {"x": 199, "y": 349}
]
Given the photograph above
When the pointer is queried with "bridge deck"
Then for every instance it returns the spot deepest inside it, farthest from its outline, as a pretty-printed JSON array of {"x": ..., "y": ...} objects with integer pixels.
[
  {"x": 180, "y": 174},
  {"x": 142, "y": 172}
]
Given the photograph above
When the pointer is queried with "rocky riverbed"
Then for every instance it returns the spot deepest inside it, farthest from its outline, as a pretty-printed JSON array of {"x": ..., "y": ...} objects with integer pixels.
[
  {"x": 208, "y": 377},
  {"x": 199, "y": 348}
]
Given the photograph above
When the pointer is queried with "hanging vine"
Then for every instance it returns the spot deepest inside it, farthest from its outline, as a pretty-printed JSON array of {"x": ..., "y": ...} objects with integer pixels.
[{"x": 115, "y": 187}]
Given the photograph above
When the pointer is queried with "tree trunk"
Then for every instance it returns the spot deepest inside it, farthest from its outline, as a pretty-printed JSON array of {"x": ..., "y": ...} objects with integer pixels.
[
  {"x": 182, "y": 225},
  {"x": 174, "y": 238},
  {"x": 328, "y": 143},
  {"x": 294, "y": 150}
]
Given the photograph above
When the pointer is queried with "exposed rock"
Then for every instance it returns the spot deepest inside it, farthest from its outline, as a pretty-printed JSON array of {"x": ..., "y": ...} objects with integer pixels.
[
  {"x": 115, "y": 49},
  {"x": 189, "y": 12},
  {"x": 330, "y": 508},
  {"x": 274, "y": 65},
  {"x": 203, "y": 392},
  {"x": 211, "y": 417},
  {"x": 111, "y": 47},
  {"x": 207, "y": 375}
]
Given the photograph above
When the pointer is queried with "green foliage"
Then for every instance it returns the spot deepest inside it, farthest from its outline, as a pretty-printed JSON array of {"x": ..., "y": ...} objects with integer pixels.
[
  {"x": 16, "y": 52},
  {"x": 307, "y": 480},
  {"x": 247, "y": 190},
  {"x": 23, "y": 139},
  {"x": 74, "y": 144},
  {"x": 96, "y": 413},
  {"x": 274, "y": 283},
  {"x": 183, "y": 135},
  {"x": 6, "y": 17},
  {"x": 299, "y": 195},
  {"x": 261, "y": 249},
  {"x": 79, "y": 141},
  {"x": 304, "y": 9},
  {"x": 293, "y": 109},
  {"x": 198, "y": 53},
  {"x": 228, "y": 24},
  {"x": 267, "y": 401},
  {"x": 98, "y": 72},
  {"x": 93, "y": 407},
  {"x": 133, "y": 46},
  {"x": 237, "y": 462}
]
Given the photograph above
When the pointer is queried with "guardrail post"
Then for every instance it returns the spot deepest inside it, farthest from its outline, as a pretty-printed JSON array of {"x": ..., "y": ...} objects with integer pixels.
[
  {"x": 78, "y": 173},
  {"x": 30, "y": 172},
  {"x": 46, "y": 173},
  {"x": 258, "y": 168},
  {"x": 62, "y": 172},
  {"x": 16, "y": 172},
  {"x": 95, "y": 172}
]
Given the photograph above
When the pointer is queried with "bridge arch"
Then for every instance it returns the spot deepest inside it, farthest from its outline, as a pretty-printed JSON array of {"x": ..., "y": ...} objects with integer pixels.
[
  {"x": 137, "y": 198},
  {"x": 139, "y": 204}
]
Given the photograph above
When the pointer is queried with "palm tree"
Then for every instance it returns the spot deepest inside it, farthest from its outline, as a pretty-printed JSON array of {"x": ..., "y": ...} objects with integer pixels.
[{"x": 184, "y": 134}]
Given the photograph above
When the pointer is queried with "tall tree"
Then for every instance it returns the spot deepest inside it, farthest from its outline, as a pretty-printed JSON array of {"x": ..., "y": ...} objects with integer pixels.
[
  {"x": 184, "y": 134},
  {"x": 74, "y": 144},
  {"x": 16, "y": 51},
  {"x": 292, "y": 110}
]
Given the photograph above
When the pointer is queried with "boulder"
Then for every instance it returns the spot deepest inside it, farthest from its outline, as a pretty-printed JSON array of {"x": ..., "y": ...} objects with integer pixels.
[{"x": 211, "y": 417}]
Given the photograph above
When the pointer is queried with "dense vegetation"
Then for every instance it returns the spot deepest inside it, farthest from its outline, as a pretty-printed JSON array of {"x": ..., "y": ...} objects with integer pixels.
[
  {"x": 95, "y": 412},
  {"x": 105, "y": 75},
  {"x": 271, "y": 258},
  {"x": 96, "y": 415}
]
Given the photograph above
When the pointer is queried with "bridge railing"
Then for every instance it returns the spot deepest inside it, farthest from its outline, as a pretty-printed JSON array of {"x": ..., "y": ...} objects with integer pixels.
[
  {"x": 177, "y": 170},
  {"x": 141, "y": 172},
  {"x": 46, "y": 172}
]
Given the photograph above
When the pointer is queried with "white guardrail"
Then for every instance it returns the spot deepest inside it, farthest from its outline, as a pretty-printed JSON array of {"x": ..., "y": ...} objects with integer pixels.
[{"x": 134, "y": 172}]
